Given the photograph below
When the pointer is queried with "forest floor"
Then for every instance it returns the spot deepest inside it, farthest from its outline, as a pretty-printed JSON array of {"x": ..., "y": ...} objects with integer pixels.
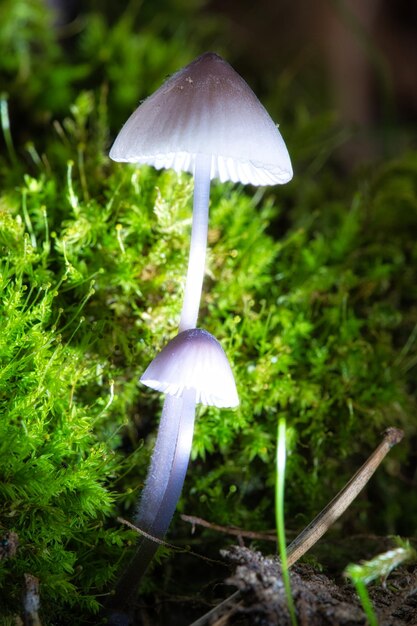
[
  {"x": 253, "y": 594},
  {"x": 319, "y": 600}
]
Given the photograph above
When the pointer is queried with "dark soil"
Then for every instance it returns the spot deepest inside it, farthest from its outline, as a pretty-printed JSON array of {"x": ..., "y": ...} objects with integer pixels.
[
  {"x": 318, "y": 600},
  {"x": 252, "y": 593}
]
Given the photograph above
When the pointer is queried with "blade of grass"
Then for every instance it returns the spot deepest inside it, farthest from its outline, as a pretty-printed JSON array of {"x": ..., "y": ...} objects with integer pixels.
[
  {"x": 279, "y": 514},
  {"x": 362, "y": 592},
  {"x": 5, "y": 125}
]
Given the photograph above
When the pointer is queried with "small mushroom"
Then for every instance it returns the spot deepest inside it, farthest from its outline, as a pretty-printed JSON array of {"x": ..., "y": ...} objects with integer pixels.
[
  {"x": 194, "y": 360},
  {"x": 206, "y": 120},
  {"x": 192, "y": 368}
]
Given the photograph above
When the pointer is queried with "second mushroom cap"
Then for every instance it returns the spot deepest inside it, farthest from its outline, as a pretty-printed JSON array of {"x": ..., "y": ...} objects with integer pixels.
[{"x": 194, "y": 360}]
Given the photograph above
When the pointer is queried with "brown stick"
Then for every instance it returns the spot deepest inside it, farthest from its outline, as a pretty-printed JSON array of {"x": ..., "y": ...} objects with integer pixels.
[
  {"x": 31, "y": 601},
  {"x": 320, "y": 524},
  {"x": 229, "y": 530}
]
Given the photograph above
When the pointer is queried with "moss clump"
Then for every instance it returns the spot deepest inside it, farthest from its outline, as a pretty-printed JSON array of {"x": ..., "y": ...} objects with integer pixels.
[
  {"x": 91, "y": 290},
  {"x": 54, "y": 473},
  {"x": 311, "y": 289},
  {"x": 315, "y": 326}
]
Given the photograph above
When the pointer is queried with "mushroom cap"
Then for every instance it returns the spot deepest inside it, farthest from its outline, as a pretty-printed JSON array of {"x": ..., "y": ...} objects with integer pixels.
[
  {"x": 206, "y": 108},
  {"x": 195, "y": 360}
]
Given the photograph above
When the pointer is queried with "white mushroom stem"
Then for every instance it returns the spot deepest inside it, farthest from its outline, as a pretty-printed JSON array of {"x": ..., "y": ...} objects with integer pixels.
[
  {"x": 178, "y": 467},
  {"x": 172, "y": 449},
  {"x": 168, "y": 465},
  {"x": 198, "y": 246},
  {"x": 162, "y": 489},
  {"x": 161, "y": 463}
]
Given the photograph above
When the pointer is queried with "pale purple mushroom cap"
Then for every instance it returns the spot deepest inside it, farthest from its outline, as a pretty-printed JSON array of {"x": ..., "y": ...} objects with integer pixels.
[
  {"x": 206, "y": 108},
  {"x": 194, "y": 360}
]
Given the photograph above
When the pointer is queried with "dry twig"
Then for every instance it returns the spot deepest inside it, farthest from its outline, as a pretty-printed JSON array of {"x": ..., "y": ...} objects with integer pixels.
[{"x": 324, "y": 520}]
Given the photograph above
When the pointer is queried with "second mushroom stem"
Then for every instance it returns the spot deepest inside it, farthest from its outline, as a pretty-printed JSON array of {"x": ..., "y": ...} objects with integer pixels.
[
  {"x": 158, "y": 506},
  {"x": 162, "y": 490}
]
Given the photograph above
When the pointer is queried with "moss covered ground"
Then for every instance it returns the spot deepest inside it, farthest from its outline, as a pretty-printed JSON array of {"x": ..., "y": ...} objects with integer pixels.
[{"x": 311, "y": 290}]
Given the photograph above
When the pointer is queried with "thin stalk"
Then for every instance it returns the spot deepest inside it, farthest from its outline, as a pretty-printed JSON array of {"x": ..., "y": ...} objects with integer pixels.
[
  {"x": 178, "y": 470},
  {"x": 5, "y": 125},
  {"x": 161, "y": 463},
  {"x": 168, "y": 460},
  {"x": 198, "y": 246},
  {"x": 362, "y": 592},
  {"x": 27, "y": 219},
  {"x": 279, "y": 513},
  {"x": 157, "y": 508}
]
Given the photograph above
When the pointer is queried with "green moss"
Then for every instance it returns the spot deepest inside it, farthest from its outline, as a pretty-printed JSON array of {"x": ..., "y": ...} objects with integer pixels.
[
  {"x": 91, "y": 280},
  {"x": 310, "y": 288},
  {"x": 54, "y": 473},
  {"x": 314, "y": 338}
]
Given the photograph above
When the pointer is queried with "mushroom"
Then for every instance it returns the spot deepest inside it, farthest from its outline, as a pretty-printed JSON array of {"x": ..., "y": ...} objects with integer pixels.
[
  {"x": 192, "y": 368},
  {"x": 195, "y": 360},
  {"x": 206, "y": 120}
]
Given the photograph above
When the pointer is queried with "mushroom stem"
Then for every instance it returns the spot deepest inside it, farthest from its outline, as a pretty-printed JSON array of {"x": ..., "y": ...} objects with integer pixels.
[
  {"x": 198, "y": 246},
  {"x": 162, "y": 490},
  {"x": 163, "y": 505},
  {"x": 161, "y": 463}
]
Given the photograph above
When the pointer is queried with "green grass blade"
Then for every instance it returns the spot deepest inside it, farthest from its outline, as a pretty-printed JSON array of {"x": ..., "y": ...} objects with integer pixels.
[{"x": 279, "y": 514}]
